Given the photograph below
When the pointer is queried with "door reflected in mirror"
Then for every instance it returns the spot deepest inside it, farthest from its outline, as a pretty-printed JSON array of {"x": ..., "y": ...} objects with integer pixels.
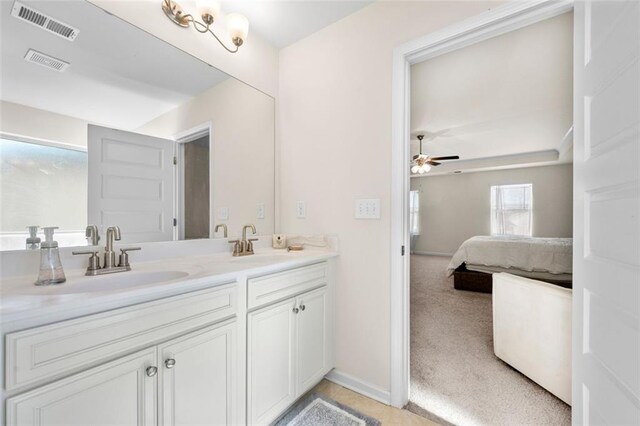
[{"x": 132, "y": 132}]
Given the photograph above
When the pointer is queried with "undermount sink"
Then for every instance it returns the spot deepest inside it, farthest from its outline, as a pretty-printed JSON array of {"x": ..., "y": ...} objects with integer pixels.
[{"x": 116, "y": 281}]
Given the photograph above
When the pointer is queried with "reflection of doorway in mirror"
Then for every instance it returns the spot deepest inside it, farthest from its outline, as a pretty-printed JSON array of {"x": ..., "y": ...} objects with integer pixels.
[
  {"x": 193, "y": 187},
  {"x": 195, "y": 170},
  {"x": 42, "y": 183}
]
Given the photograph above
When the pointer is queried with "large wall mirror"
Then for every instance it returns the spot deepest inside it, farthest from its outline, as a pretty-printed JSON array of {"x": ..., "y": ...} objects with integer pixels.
[{"x": 104, "y": 124}]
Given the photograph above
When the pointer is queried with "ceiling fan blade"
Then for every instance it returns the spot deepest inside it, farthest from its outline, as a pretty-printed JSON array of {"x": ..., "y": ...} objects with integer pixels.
[
  {"x": 433, "y": 163},
  {"x": 449, "y": 157}
]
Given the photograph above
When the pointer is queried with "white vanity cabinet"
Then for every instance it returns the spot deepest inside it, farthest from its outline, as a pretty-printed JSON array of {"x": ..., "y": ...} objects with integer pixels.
[
  {"x": 241, "y": 352},
  {"x": 188, "y": 377},
  {"x": 288, "y": 343},
  {"x": 183, "y": 373}
]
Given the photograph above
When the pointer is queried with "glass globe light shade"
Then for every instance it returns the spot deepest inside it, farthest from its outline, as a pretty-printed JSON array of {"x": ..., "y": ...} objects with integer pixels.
[
  {"x": 209, "y": 10},
  {"x": 238, "y": 27}
]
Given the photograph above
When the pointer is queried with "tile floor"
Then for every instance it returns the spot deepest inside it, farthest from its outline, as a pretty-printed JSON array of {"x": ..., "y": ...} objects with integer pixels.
[{"x": 386, "y": 414}]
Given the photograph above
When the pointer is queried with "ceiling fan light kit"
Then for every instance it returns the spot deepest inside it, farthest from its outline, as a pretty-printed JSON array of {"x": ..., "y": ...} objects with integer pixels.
[
  {"x": 210, "y": 12},
  {"x": 422, "y": 163}
]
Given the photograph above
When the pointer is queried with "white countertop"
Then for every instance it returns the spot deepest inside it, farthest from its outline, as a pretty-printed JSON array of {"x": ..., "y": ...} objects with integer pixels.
[{"x": 24, "y": 305}]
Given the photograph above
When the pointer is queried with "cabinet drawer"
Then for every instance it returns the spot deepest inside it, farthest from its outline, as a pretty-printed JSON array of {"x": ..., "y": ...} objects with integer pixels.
[
  {"x": 271, "y": 288},
  {"x": 53, "y": 350}
]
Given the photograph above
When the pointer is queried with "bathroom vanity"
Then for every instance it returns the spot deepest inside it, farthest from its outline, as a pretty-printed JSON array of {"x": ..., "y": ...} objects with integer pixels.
[{"x": 194, "y": 340}]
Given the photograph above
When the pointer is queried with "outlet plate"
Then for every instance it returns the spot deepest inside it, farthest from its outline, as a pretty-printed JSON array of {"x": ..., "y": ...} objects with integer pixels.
[
  {"x": 301, "y": 209},
  {"x": 223, "y": 213},
  {"x": 260, "y": 211},
  {"x": 367, "y": 208}
]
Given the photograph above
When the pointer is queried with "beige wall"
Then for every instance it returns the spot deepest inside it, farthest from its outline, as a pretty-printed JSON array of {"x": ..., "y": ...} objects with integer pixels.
[
  {"x": 39, "y": 124},
  {"x": 256, "y": 63},
  {"x": 334, "y": 133},
  {"x": 456, "y": 207},
  {"x": 242, "y": 149}
]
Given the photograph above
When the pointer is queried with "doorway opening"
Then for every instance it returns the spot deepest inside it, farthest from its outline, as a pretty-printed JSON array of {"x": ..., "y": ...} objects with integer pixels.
[
  {"x": 194, "y": 184},
  {"x": 196, "y": 190},
  {"x": 492, "y": 195}
]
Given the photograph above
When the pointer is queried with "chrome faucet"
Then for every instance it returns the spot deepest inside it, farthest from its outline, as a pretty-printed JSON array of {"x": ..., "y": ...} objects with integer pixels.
[
  {"x": 110, "y": 266},
  {"x": 244, "y": 247},
  {"x": 93, "y": 237},
  {"x": 224, "y": 228}
]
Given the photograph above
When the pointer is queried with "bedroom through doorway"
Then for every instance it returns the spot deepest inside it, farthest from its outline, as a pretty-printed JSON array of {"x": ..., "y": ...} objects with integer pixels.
[{"x": 491, "y": 229}]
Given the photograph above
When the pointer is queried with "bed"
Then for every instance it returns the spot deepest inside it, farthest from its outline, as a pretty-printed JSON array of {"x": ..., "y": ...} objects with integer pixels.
[{"x": 542, "y": 259}]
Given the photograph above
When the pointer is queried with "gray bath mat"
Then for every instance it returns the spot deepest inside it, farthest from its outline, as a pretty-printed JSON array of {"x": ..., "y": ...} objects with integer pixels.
[{"x": 318, "y": 410}]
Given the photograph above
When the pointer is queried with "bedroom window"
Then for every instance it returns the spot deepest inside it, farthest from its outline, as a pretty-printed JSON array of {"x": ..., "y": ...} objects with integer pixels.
[
  {"x": 414, "y": 212},
  {"x": 511, "y": 209}
]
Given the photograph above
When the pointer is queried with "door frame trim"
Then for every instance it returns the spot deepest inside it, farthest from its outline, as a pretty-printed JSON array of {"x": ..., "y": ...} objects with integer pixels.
[{"x": 494, "y": 22}]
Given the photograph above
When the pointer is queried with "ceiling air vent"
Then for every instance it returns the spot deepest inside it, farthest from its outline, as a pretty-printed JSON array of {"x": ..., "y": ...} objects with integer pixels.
[
  {"x": 46, "y": 60},
  {"x": 43, "y": 21}
]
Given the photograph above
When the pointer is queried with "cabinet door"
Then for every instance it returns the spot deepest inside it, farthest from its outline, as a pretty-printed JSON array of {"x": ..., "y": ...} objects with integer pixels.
[
  {"x": 271, "y": 357},
  {"x": 121, "y": 392},
  {"x": 197, "y": 376},
  {"x": 311, "y": 341}
]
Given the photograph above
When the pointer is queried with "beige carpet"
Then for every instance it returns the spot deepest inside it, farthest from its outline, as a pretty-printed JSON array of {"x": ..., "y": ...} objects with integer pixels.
[{"x": 455, "y": 376}]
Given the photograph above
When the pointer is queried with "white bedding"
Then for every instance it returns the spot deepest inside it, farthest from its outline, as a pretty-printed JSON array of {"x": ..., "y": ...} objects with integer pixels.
[{"x": 552, "y": 255}]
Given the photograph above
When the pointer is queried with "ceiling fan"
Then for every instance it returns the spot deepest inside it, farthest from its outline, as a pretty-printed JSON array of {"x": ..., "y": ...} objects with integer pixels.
[{"x": 422, "y": 163}]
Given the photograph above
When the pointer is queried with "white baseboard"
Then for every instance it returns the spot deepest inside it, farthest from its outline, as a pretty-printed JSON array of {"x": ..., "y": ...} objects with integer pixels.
[
  {"x": 360, "y": 386},
  {"x": 433, "y": 253}
]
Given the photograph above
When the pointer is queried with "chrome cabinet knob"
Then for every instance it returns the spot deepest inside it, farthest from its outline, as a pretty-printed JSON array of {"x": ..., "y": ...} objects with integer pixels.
[
  {"x": 296, "y": 310},
  {"x": 170, "y": 363},
  {"x": 152, "y": 371}
]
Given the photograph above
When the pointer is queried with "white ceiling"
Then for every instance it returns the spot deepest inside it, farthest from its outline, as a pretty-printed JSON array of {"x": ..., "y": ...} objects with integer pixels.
[
  {"x": 284, "y": 22},
  {"x": 119, "y": 76},
  {"x": 507, "y": 96}
]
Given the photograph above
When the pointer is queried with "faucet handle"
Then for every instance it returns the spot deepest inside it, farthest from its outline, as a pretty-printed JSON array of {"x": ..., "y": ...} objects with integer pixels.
[
  {"x": 94, "y": 260},
  {"x": 126, "y": 249},
  {"x": 123, "y": 259},
  {"x": 236, "y": 246},
  {"x": 250, "y": 244}
]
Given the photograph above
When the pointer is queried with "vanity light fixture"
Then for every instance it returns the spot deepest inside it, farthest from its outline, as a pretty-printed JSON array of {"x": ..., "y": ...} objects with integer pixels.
[{"x": 237, "y": 25}]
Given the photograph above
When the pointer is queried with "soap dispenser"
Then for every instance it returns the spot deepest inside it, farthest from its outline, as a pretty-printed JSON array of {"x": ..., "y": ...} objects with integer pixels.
[
  {"x": 50, "y": 266},
  {"x": 33, "y": 242}
]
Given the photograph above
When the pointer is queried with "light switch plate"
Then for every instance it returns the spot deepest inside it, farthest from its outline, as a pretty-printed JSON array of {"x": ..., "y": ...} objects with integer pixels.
[
  {"x": 223, "y": 213},
  {"x": 367, "y": 208},
  {"x": 260, "y": 211},
  {"x": 301, "y": 209}
]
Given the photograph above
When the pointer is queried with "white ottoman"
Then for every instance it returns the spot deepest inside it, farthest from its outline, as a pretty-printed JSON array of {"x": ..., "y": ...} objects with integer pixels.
[{"x": 532, "y": 330}]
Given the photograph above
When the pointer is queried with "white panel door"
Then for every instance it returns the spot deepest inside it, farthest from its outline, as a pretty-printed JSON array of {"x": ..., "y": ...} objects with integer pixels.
[
  {"x": 119, "y": 393},
  {"x": 271, "y": 358},
  {"x": 131, "y": 184},
  {"x": 311, "y": 342},
  {"x": 197, "y": 379},
  {"x": 606, "y": 279}
]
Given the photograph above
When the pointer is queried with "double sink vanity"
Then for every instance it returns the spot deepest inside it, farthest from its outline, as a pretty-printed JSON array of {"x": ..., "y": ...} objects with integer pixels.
[{"x": 198, "y": 339}]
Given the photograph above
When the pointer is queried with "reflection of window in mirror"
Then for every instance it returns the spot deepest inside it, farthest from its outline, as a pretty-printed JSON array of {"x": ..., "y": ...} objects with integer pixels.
[{"x": 45, "y": 185}]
